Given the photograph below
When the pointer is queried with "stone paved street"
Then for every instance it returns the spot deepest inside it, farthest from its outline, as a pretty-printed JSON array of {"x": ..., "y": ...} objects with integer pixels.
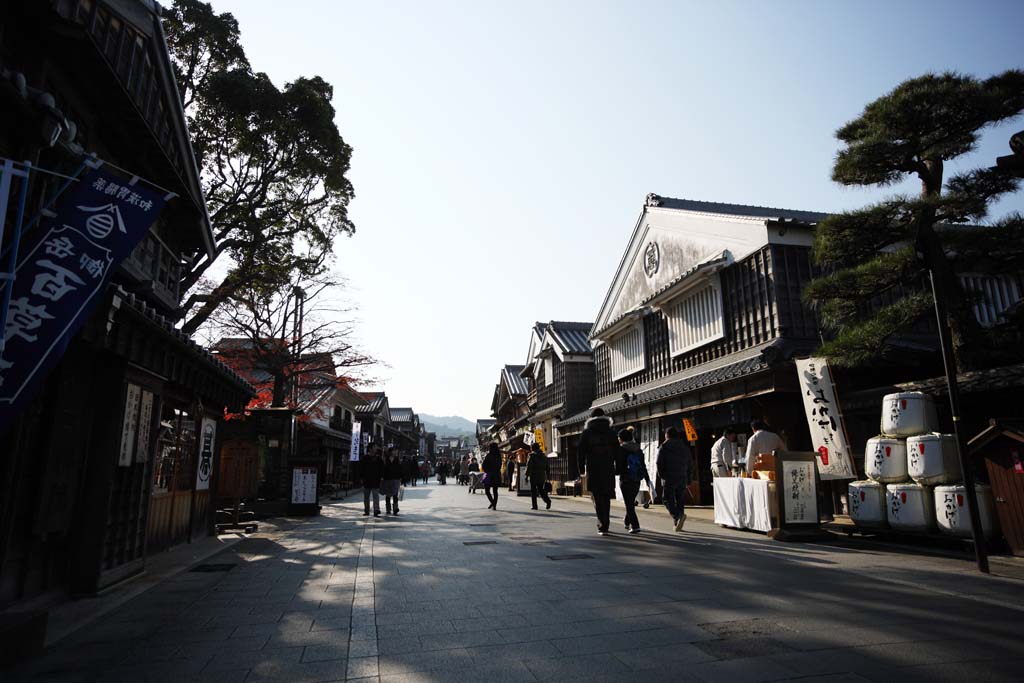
[{"x": 450, "y": 591}]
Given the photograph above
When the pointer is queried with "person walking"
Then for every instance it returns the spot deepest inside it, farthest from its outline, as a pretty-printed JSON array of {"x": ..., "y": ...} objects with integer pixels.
[
  {"x": 492, "y": 474},
  {"x": 595, "y": 456},
  {"x": 537, "y": 473},
  {"x": 425, "y": 471},
  {"x": 723, "y": 454},
  {"x": 464, "y": 471},
  {"x": 675, "y": 467},
  {"x": 392, "y": 483},
  {"x": 371, "y": 471},
  {"x": 763, "y": 440},
  {"x": 510, "y": 472},
  {"x": 630, "y": 467},
  {"x": 412, "y": 470}
]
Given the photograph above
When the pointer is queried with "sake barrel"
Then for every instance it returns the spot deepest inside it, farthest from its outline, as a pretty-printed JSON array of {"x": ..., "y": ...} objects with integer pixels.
[
  {"x": 866, "y": 501},
  {"x": 932, "y": 459},
  {"x": 951, "y": 512},
  {"x": 908, "y": 413},
  {"x": 885, "y": 459},
  {"x": 910, "y": 507}
]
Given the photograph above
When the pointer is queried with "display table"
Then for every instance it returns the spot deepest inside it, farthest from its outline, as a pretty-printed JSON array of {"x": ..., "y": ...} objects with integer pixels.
[{"x": 745, "y": 503}]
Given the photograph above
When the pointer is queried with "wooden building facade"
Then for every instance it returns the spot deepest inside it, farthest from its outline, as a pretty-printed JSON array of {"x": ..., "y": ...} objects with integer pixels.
[{"x": 115, "y": 456}]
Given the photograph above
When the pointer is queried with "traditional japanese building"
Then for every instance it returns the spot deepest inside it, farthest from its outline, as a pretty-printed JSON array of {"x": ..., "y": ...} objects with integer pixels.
[
  {"x": 409, "y": 431},
  {"x": 114, "y": 458},
  {"x": 484, "y": 432},
  {"x": 560, "y": 373},
  {"x": 374, "y": 414},
  {"x": 702, "y": 320},
  {"x": 510, "y": 408}
]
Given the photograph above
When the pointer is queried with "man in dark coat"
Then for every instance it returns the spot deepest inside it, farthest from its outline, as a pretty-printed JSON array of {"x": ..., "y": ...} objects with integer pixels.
[
  {"x": 492, "y": 468},
  {"x": 596, "y": 458},
  {"x": 537, "y": 473},
  {"x": 675, "y": 468},
  {"x": 371, "y": 471}
]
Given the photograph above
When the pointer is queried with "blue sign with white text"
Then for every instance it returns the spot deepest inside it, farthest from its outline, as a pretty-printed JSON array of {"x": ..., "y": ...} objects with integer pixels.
[{"x": 62, "y": 271}]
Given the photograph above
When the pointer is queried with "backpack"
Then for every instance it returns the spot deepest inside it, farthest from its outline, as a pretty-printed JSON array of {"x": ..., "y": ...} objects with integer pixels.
[{"x": 635, "y": 466}]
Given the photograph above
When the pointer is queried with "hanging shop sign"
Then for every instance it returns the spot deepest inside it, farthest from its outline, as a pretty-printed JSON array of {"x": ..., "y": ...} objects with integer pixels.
[
  {"x": 357, "y": 441},
  {"x": 63, "y": 267},
  {"x": 824, "y": 419},
  {"x": 538, "y": 436},
  {"x": 204, "y": 470},
  {"x": 691, "y": 431}
]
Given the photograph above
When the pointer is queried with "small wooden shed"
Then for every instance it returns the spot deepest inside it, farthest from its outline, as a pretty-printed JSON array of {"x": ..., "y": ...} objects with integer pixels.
[{"x": 1001, "y": 446}]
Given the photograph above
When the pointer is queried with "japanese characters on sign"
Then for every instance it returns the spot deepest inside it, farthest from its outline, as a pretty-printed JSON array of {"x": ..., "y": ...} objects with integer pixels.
[
  {"x": 204, "y": 468},
  {"x": 129, "y": 425},
  {"x": 304, "y": 485},
  {"x": 538, "y": 436},
  {"x": 800, "y": 491},
  {"x": 824, "y": 419},
  {"x": 62, "y": 269},
  {"x": 145, "y": 427},
  {"x": 357, "y": 441},
  {"x": 691, "y": 431}
]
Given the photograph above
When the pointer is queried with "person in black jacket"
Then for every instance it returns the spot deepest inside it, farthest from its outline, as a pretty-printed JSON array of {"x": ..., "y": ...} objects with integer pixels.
[
  {"x": 412, "y": 470},
  {"x": 392, "y": 481},
  {"x": 537, "y": 473},
  {"x": 596, "y": 458},
  {"x": 675, "y": 467},
  {"x": 492, "y": 469},
  {"x": 629, "y": 465},
  {"x": 371, "y": 471}
]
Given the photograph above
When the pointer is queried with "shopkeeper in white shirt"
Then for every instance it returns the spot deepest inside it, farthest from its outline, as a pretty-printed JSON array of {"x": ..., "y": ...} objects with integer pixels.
[
  {"x": 723, "y": 454},
  {"x": 763, "y": 441}
]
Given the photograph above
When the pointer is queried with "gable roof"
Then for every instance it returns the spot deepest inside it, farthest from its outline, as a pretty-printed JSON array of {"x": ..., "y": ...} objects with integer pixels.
[
  {"x": 374, "y": 401},
  {"x": 677, "y": 243},
  {"x": 401, "y": 415},
  {"x": 571, "y": 338},
  {"x": 516, "y": 385}
]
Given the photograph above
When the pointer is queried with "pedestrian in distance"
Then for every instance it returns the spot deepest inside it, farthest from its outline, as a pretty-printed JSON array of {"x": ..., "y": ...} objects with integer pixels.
[
  {"x": 371, "y": 471},
  {"x": 392, "y": 483},
  {"x": 425, "y": 471},
  {"x": 595, "y": 456},
  {"x": 464, "y": 471},
  {"x": 675, "y": 468},
  {"x": 723, "y": 454},
  {"x": 412, "y": 471},
  {"x": 537, "y": 473},
  {"x": 492, "y": 475},
  {"x": 763, "y": 440},
  {"x": 442, "y": 472},
  {"x": 510, "y": 472},
  {"x": 630, "y": 467}
]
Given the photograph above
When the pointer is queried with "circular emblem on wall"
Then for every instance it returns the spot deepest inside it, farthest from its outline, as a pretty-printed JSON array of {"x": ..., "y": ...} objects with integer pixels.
[{"x": 652, "y": 259}]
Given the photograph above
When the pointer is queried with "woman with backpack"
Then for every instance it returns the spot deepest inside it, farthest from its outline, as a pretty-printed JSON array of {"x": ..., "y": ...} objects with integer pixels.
[
  {"x": 537, "y": 473},
  {"x": 629, "y": 465}
]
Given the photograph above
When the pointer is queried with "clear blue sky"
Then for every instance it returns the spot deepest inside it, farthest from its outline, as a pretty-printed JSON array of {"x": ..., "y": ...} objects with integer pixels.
[{"x": 503, "y": 150}]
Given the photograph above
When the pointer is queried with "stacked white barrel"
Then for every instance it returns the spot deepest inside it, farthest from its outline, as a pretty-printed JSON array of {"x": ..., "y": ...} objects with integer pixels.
[{"x": 910, "y": 467}]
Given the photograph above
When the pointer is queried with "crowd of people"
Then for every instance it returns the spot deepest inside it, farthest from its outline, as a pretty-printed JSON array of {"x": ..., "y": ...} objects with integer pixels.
[{"x": 602, "y": 455}]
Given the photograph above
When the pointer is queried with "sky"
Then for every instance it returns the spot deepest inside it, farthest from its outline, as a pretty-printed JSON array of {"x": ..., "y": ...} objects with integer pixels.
[{"x": 503, "y": 150}]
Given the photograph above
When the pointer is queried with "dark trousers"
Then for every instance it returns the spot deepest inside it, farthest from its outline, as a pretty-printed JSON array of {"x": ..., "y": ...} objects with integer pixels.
[
  {"x": 492, "y": 493},
  {"x": 537, "y": 489},
  {"x": 602, "y": 506},
  {"x": 630, "y": 489},
  {"x": 673, "y": 493}
]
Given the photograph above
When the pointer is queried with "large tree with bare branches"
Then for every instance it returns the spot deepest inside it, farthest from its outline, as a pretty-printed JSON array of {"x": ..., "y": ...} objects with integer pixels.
[
  {"x": 293, "y": 336},
  {"x": 272, "y": 160}
]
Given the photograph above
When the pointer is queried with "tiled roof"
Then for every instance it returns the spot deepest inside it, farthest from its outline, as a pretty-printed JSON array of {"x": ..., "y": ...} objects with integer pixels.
[
  {"x": 374, "y": 401},
  {"x": 401, "y": 414},
  {"x": 993, "y": 379},
  {"x": 811, "y": 217},
  {"x": 143, "y": 309},
  {"x": 724, "y": 373},
  {"x": 516, "y": 385},
  {"x": 571, "y": 337},
  {"x": 484, "y": 425}
]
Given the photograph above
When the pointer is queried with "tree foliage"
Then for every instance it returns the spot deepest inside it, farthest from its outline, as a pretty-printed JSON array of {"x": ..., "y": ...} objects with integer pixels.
[
  {"x": 288, "y": 341},
  {"x": 272, "y": 161},
  {"x": 875, "y": 260}
]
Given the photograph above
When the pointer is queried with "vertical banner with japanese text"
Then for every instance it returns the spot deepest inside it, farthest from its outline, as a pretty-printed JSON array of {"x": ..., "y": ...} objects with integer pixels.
[
  {"x": 207, "y": 439},
  {"x": 825, "y": 420},
  {"x": 357, "y": 441},
  {"x": 62, "y": 271}
]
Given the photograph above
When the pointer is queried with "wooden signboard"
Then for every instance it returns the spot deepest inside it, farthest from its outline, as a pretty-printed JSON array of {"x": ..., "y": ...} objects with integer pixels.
[
  {"x": 239, "y": 469},
  {"x": 796, "y": 486}
]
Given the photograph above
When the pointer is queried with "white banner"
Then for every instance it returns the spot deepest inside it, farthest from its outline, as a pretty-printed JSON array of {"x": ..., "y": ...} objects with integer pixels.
[
  {"x": 825, "y": 420},
  {"x": 204, "y": 470},
  {"x": 357, "y": 441},
  {"x": 145, "y": 427},
  {"x": 129, "y": 425},
  {"x": 304, "y": 485}
]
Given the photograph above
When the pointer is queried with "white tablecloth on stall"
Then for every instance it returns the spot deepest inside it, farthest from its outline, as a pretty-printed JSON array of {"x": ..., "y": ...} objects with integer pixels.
[{"x": 744, "y": 503}]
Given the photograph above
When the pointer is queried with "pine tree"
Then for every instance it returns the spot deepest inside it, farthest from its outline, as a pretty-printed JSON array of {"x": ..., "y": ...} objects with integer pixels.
[{"x": 874, "y": 279}]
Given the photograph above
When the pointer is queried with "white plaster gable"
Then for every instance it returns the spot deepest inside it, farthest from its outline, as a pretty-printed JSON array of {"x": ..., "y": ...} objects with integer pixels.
[{"x": 683, "y": 240}]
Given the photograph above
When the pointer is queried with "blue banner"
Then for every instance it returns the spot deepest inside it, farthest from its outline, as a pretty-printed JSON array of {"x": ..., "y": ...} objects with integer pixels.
[{"x": 63, "y": 268}]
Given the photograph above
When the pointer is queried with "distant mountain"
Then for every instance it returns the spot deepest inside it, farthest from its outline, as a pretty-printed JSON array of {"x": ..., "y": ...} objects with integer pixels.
[{"x": 452, "y": 425}]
